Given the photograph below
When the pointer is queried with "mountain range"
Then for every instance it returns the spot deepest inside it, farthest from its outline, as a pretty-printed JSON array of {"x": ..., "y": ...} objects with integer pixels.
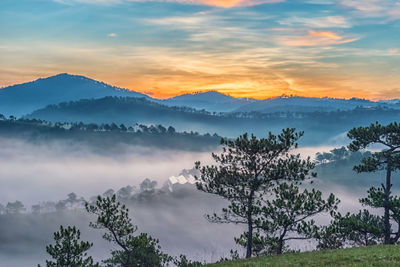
[{"x": 22, "y": 99}]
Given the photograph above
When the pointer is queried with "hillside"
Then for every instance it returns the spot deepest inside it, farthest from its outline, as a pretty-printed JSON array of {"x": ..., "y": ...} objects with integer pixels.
[
  {"x": 311, "y": 104},
  {"x": 362, "y": 256},
  {"x": 24, "y": 98},
  {"x": 129, "y": 110},
  {"x": 319, "y": 127},
  {"x": 106, "y": 137},
  {"x": 211, "y": 101}
]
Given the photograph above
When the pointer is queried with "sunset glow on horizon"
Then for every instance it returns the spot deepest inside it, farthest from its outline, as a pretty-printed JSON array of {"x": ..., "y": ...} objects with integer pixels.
[{"x": 243, "y": 48}]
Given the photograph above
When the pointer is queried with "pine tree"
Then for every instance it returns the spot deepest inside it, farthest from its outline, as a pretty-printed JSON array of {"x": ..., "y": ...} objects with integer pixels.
[
  {"x": 288, "y": 215},
  {"x": 247, "y": 169},
  {"x": 135, "y": 250},
  {"x": 68, "y": 250},
  {"x": 360, "y": 229},
  {"x": 387, "y": 159}
]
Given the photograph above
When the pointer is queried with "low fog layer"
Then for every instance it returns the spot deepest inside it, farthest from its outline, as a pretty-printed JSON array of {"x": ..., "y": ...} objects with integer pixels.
[
  {"x": 32, "y": 173},
  {"x": 38, "y": 173}
]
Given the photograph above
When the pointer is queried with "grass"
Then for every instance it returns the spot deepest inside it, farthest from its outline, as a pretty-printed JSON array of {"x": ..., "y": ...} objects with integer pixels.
[{"x": 388, "y": 255}]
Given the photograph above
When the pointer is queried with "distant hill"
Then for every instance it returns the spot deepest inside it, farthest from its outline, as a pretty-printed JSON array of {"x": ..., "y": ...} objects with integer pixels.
[
  {"x": 211, "y": 101},
  {"x": 311, "y": 104},
  {"x": 24, "y": 98},
  {"x": 129, "y": 110},
  {"x": 319, "y": 126},
  {"x": 217, "y": 102}
]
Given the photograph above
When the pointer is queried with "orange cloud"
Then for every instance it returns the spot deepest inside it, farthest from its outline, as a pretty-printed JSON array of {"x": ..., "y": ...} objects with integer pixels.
[
  {"x": 217, "y": 3},
  {"x": 234, "y": 3},
  {"x": 316, "y": 38}
]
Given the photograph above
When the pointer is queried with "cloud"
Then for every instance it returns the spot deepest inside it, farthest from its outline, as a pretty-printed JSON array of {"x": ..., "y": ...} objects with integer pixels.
[
  {"x": 216, "y": 3},
  {"x": 112, "y": 35},
  {"x": 393, "y": 51},
  {"x": 317, "y": 22},
  {"x": 389, "y": 9},
  {"x": 234, "y": 3},
  {"x": 102, "y": 2},
  {"x": 315, "y": 38}
]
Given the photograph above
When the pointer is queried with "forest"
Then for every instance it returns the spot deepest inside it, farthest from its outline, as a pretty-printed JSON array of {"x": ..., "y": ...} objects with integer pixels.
[
  {"x": 103, "y": 136},
  {"x": 321, "y": 126}
]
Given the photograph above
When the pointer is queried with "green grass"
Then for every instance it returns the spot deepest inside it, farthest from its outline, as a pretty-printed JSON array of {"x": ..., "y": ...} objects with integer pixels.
[{"x": 364, "y": 256}]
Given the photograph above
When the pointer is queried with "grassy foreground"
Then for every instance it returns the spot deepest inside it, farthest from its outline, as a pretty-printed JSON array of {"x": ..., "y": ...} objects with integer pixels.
[{"x": 363, "y": 256}]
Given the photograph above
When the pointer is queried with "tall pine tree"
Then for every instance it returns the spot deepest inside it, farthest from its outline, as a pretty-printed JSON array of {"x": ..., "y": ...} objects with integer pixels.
[
  {"x": 387, "y": 159},
  {"x": 246, "y": 170}
]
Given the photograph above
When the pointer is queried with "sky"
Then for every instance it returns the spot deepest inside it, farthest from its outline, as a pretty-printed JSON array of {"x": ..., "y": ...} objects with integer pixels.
[{"x": 244, "y": 48}]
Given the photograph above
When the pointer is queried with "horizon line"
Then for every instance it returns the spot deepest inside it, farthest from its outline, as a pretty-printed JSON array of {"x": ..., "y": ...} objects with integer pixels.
[{"x": 284, "y": 95}]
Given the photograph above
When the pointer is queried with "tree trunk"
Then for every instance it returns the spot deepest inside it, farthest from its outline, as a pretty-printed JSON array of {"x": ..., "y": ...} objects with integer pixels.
[
  {"x": 249, "y": 251},
  {"x": 366, "y": 239},
  {"x": 279, "y": 249},
  {"x": 386, "y": 204}
]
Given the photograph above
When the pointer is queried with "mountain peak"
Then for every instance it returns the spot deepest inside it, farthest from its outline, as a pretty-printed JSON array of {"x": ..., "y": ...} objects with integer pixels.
[
  {"x": 211, "y": 93},
  {"x": 68, "y": 76},
  {"x": 203, "y": 96},
  {"x": 23, "y": 98}
]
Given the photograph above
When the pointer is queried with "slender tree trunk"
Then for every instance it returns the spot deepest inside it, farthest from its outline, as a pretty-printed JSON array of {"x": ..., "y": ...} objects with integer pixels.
[
  {"x": 386, "y": 204},
  {"x": 279, "y": 249},
  {"x": 366, "y": 239},
  {"x": 249, "y": 251}
]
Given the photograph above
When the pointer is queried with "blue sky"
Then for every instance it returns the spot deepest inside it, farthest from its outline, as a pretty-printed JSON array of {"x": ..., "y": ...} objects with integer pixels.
[{"x": 260, "y": 49}]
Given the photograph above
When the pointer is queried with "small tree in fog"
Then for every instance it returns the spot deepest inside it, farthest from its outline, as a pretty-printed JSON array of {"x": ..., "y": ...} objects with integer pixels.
[
  {"x": 135, "y": 250},
  {"x": 69, "y": 250},
  {"x": 387, "y": 159},
  {"x": 360, "y": 229},
  {"x": 15, "y": 207},
  {"x": 247, "y": 169},
  {"x": 289, "y": 216},
  {"x": 376, "y": 199},
  {"x": 2, "y": 209}
]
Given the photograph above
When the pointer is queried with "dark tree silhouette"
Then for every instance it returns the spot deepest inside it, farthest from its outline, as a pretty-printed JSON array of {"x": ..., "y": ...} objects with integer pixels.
[
  {"x": 360, "y": 229},
  {"x": 246, "y": 170},
  {"x": 136, "y": 250},
  {"x": 288, "y": 215},
  {"x": 387, "y": 159},
  {"x": 68, "y": 250}
]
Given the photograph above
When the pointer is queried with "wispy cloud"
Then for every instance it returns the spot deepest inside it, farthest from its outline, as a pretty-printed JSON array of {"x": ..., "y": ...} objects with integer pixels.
[
  {"x": 393, "y": 51},
  {"x": 315, "y": 38},
  {"x": 317, "y": 22},
  {"x": 112, "y": 35},
  {"x": 217, "y": 3},
  {"x": 389, "y": 9}
]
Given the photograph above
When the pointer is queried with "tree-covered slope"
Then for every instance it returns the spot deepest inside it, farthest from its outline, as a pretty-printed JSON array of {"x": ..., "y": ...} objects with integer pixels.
[
  {"x": 319, "y": 127},
  {"x": 106, "y": 137}
]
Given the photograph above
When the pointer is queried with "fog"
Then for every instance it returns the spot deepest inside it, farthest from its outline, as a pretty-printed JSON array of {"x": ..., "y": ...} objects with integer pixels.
[{"x": 34, "y": 173}]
